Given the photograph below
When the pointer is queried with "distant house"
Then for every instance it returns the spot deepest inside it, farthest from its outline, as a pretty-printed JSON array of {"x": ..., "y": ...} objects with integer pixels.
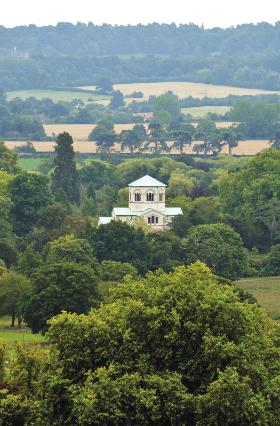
[
  {"x": 148, "y": 116},
  {"x": 147, "y": 201}
]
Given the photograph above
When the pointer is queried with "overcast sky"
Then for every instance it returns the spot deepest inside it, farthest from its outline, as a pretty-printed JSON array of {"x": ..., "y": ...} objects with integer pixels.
[{"x": 211, "y": 13}]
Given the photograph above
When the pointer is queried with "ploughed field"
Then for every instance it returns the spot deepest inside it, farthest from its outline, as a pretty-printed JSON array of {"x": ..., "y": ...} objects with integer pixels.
[{"x": 266, "y": 291}]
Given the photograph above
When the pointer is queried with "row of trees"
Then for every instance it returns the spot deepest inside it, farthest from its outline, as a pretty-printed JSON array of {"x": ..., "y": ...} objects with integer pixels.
[{"x": 159, "y": 138}]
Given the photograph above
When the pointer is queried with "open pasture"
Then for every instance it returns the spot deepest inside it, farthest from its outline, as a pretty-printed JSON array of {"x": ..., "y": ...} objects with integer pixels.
[
  {"x": 267, "y": 292},
  {"x": 57, "y": 95},
  {"x": 11, "y": 335},
  {"x": 30, "y": 163},
  {"x": 199, "y": 112},
  {"x": 183, "y": 89}
]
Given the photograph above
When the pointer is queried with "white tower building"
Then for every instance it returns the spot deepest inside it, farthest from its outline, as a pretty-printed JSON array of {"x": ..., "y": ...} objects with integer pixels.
[{"x": 146, "y": 200}]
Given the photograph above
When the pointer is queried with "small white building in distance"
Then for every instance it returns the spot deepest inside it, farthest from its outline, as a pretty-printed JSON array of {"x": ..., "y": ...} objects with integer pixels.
[{"x": 147, "y": 201}]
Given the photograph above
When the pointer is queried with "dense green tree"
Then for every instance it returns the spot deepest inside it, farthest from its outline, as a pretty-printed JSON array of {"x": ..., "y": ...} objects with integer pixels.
[
  {"x": 8, "y": 252},
  {"x": 182, "y": 341},
  {"x": 251, "y": 197},
  {"x": 156, "y": 137},
  {"x": 231, "y": 137},
  {"x": 210, "y": 137},
  {"x": 256, "y": 120},
  {"x": 5, "y": 205},
  {"x": 65, "y": 176},
  {"x": 134, "y": 138},
  {"x": 117, "y": 100},
  {"x": 132, "y": 398},
  {"x": 273, "y": 260},
  {"x": 205, "y": 210},
  {"x": 97, "y": 173},
  {"x": 219, "y": 246},
  {"x": 182, "y": 134},
  {"x": 231, "y": 400},
  {"x": 110, "y": 270},
  {"x": 28, "y": 260},
  {"x": 166, "y": 250},
  {"x": 53, "y": 222},
  {"x": 104, "y": 135},
  {"x": 60, "y": 286},
  {"x": 15, "y": 292},
  {"x": 8, "y": 159},
  {"x": 167, "y": 108},
  {"x": 179, "y": 184},
  {"x": 70, "y": 249},
  {"x": 29, "y": 192},
  {"x": 121, "y": 242}
]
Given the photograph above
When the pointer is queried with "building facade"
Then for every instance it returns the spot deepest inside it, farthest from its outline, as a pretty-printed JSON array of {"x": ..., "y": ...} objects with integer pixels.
[{"x": 146, "y": 201}]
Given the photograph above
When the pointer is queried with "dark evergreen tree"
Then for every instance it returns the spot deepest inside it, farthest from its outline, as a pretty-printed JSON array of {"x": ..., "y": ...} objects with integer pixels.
[{"x": 65, "y": 176}]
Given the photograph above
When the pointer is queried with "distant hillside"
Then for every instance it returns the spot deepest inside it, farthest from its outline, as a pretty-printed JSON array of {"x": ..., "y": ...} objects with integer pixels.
[{"x": 75, "y": 55}]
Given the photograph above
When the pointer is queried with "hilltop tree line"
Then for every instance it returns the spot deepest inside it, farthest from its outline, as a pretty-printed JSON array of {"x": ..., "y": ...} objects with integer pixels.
[{"x": 41, "y": 57}]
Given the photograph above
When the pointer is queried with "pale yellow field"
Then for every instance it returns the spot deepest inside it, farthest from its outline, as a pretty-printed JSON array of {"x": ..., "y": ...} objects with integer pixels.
[
  {"x": 79, "y": 131},
  {"x": 248, "y": 147},
  {"x": 184, "y": 89}
]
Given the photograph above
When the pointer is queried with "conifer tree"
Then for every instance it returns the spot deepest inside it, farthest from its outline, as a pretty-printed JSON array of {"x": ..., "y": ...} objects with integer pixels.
[{"x": 65, "y": 177}]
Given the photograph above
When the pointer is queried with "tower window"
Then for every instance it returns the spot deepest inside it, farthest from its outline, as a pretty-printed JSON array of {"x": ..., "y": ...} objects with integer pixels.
[
  {"x": 150, "y": 196},
  {"x": 161, "y": 196},
  {"x": 152, "y": 219},
  {"x": 137, "y": 196}
]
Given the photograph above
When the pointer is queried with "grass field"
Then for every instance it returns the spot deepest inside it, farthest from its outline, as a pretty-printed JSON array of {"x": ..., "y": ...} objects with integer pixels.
[
  {"x": 30, "y": 163},
  {"x": 267, "y": 292},
  {"x": 204, "y": 110},
  {"x": 183, "y": 89},
  {"x": 10, "y": 335},
  {"x": 56, "y": 95}
]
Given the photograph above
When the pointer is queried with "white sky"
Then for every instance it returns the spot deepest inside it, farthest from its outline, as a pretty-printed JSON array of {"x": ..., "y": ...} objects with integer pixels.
[{"x": 211, "y": 13}]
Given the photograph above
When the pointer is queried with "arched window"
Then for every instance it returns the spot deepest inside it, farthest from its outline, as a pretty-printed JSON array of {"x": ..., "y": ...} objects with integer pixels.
[
  {"x": 137, "y": 196},
  {"x": 150, "y": 196},
  {"x": 153, "y": 219},
  {"x": 161, "y": 197}
]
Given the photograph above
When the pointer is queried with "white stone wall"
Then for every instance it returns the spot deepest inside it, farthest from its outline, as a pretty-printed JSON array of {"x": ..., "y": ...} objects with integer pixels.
[
  {"x": 162, "y": 219},
  {"x": 144, "y": 204}
]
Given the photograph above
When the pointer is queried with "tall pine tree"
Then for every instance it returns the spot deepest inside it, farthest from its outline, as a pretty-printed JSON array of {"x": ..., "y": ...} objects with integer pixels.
[{"x": 65, "y": 177}]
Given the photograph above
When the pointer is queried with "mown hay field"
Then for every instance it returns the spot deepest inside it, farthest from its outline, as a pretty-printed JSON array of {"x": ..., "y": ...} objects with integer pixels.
[
  {"x": 183, "y": 89},
  {"x": 57, "y": 95},
  {"x": 248, "y": 147},
  {"x": 267, "y": 292},
  {"x": 80, "y": 132}
]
